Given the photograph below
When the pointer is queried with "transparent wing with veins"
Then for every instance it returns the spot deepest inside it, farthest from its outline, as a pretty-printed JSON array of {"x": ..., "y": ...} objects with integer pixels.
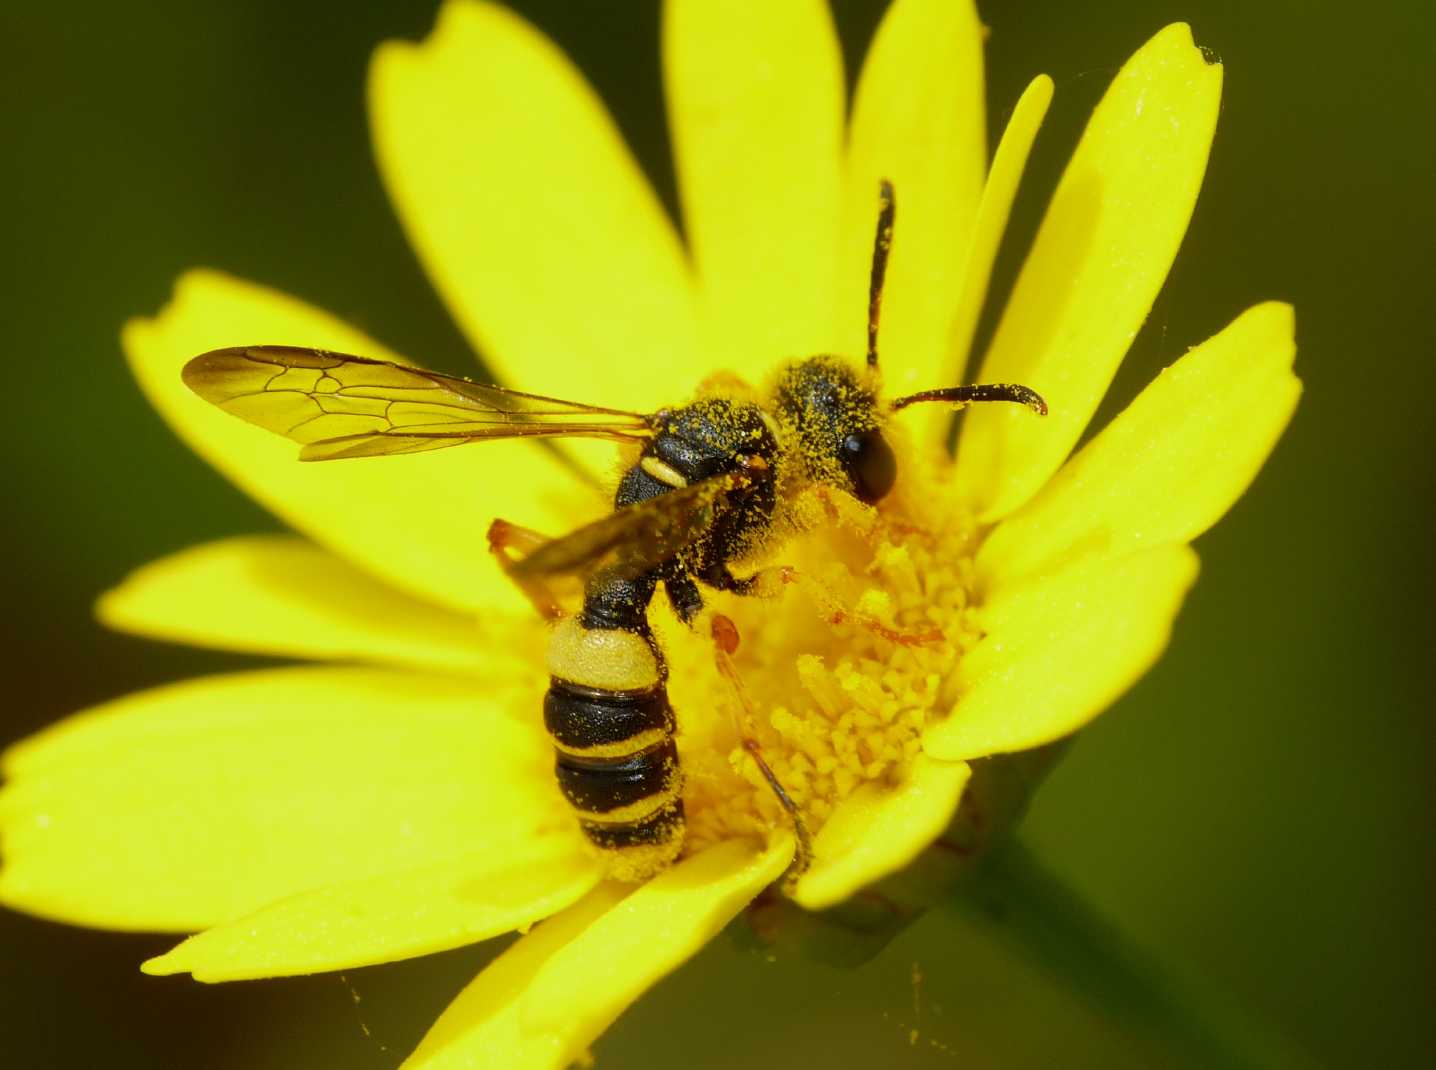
[{"x": 336, "y": 405}]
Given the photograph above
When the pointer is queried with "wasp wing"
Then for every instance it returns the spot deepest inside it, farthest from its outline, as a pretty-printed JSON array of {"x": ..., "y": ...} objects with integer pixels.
[
  {"x": 636, "y": 538},
  {"x": 336, "y": 405}
]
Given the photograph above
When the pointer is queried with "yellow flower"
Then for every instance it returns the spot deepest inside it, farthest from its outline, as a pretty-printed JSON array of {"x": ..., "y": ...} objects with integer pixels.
[{"x": 399, "y": 801}]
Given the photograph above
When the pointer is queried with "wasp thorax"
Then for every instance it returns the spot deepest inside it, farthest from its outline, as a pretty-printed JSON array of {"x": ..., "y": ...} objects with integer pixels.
[
  {"x": 833, "y": 425},
  {"x": 712, "y": 432}
]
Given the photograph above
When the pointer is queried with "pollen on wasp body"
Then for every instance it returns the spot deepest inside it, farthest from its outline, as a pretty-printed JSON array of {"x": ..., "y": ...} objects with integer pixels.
[{"x": 720, "y": 485}]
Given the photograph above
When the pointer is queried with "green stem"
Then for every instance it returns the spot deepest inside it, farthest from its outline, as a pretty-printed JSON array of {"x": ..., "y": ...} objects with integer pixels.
[{"x": 1051, "y": 925}]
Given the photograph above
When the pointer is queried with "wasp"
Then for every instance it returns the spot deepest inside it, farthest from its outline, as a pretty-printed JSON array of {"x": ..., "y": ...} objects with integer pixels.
[{"x": 704, "y": 494}]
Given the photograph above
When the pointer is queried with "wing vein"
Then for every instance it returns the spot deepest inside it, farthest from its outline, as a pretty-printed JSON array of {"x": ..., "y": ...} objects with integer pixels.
[{"x": 336, "y": 405}]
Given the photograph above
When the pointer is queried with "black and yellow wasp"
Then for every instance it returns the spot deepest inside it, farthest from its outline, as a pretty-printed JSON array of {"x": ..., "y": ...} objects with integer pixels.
[{"x": 702, "y": 496}]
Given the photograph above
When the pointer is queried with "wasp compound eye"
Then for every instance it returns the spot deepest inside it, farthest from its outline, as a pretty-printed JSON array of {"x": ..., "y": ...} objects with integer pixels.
[{"x": 870, "y": 464}]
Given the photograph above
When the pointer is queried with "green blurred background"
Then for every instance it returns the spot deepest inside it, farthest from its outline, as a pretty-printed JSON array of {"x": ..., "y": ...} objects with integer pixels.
[{"x": 1257, "y": 810}]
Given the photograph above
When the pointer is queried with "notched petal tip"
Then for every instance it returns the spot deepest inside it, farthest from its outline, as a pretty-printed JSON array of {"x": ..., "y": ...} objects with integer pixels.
[
  {"x": 453, "y": 18},
  {"x": 1179, "y": 34}
]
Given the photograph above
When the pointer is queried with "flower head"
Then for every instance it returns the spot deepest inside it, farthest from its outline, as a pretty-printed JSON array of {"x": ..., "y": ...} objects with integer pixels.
[{"x": 399, "y": 799}]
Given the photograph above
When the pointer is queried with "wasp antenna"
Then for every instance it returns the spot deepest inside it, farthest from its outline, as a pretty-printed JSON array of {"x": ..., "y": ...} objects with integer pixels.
[
  {"x": 963, "y": 396},
  {"x": 882, "y": 243}
]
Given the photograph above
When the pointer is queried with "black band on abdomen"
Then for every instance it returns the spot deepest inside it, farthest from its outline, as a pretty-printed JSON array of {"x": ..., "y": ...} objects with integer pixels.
[
  {"x": 599, "y": 785},
  {"x": 656, "y": 828},
  {"x": 612, "y": 729},
  {"x": 579, "y": 718}
]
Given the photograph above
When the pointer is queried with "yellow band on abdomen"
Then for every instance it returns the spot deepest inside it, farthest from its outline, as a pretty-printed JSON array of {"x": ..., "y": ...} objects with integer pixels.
[{"x": 607, "y": 659}]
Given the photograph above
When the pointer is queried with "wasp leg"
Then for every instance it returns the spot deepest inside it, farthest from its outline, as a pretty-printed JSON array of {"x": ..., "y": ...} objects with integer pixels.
[
  {"x": 838, "y": 613},
  {"x": 506, "y": 540},
  {"x": 683, "y": 595},
  {"x": 725, "y": 642},
  {"x": 765, "y": 583},
  {"x": 769, "y": 582}
]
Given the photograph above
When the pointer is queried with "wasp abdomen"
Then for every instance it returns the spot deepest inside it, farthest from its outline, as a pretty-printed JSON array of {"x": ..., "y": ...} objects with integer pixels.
[
  {"x": 591, "y": 723},
  {"x": 608, "y": 716}
]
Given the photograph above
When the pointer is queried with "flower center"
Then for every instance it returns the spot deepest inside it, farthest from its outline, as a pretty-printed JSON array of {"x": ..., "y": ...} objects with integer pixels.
[{"x": 842, "y": 669}]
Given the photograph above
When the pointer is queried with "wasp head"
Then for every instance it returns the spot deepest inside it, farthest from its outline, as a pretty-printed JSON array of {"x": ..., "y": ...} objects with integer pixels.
[{"x": 834, "y": 425}]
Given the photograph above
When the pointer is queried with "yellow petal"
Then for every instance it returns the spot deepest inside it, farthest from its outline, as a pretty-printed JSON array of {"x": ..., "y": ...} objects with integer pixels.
[
  {"x": 755, "y": 103},
  {"x": 481, "y": 1027},
  {"x": 878, "y": 830},
  {"x": 193, "y": 804},
  {"x": 416, "y": 522},
  {"x": 397, "y": 916},
  {"x": 277, "y": 594},
  {"x": 531, "y": 216},
  {"x": 1059, "y": 651},
  {"x": 1099, "y": 258},
  {"x": 1008, "y": 164},
  {"x": 919, "y": 120},
  {"x": 1168, "y": 467},
  {"x": 541, "y": 1003}
]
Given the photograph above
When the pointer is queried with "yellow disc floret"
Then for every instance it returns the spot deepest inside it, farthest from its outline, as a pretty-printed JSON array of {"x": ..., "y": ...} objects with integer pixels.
[{"x": 843, "y": 667}]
